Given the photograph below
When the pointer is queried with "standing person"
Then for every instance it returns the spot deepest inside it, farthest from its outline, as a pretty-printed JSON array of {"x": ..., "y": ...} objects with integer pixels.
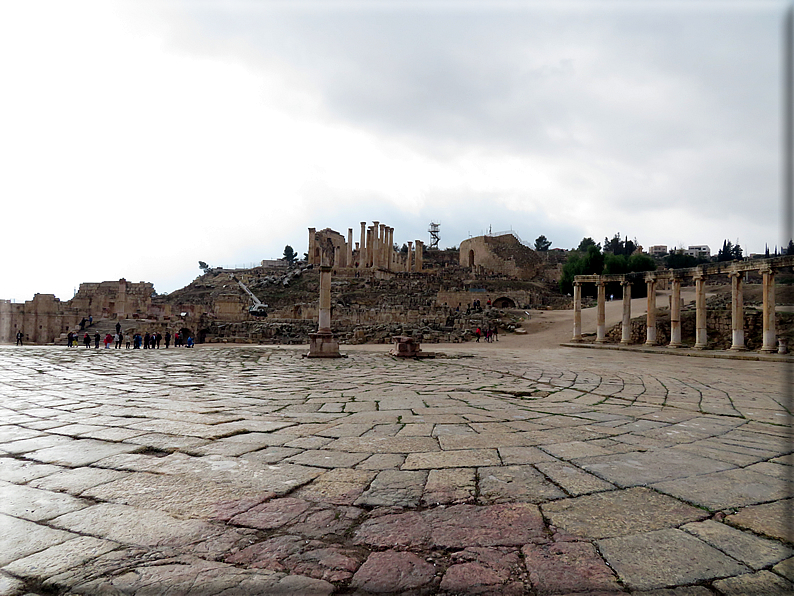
[
  {"x": 146, "y": 341},
  {"x": 20, "y": 336},
  {"x": 119, "y": 339},
  {"x": 167, "y": 339},
  {"x": 128, "y": 341},
  {"x": 96, "y": 340},
  {"x": 87, "y": 340},
  {"x": 496, "y": 332},
  {"x": 82, "y": 324},
  {"x": 108, "y": 340},
  {"x": 90, "y": 320},
  {"x": 118, "y": 327},
  {"x": 69, "y": 339},
  {"x": 176, "y": 339},
  {"x": 157, "y": 339},
  {"x": 477, "y": 333}
]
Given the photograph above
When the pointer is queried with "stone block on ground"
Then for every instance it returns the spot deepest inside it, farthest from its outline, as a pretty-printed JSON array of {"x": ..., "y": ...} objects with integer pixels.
[
  {"x": 510, "y": 484},
  {"x": 394, "y": 488},
  {"x": 393, "y": 572},
  {"x": 454, "y": 485},
  {"x": 753, "y": 551},
  {"x": 768, "y": 519},
  {"x": 568, "y": 567},
  {"x": 761, "y": 583}
]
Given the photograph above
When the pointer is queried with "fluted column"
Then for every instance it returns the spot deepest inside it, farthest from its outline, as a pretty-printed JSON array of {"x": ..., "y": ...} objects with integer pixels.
[
  {"x": 625, "y": 328},
  {"x": 701, "y": 337},
  {"x": 577, "y": 311},
  {"x": 650, "y": 324},
  {"x": 601, "y": 313},
  {"x": 362, "y": 246},
  {"x": 737, "y": 312},
  {"x": 769, "y": 334},
  {"x": 675, "y": 313}
]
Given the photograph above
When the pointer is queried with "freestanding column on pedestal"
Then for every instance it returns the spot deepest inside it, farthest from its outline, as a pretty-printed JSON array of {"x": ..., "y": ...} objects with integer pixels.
[
  {"x": 577, "y": 311},
  {"x": 737, "y": 312},
  {"x": 769, "y": 334},
  {"x": 625, "y": 328},
  {"x": 601, "y": 328},
  {"x": 323, "y": 344},
  {"x": 701, "y": 337},
  {"x": 650, "y": 325},
  {"x": 675, "y": 314}
]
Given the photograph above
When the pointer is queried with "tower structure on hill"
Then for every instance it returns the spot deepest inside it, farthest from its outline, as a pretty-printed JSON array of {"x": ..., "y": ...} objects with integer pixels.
[{"x": 434, "y": 234}]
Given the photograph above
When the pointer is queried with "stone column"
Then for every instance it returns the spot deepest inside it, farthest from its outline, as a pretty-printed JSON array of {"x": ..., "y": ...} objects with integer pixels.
[
  {"x": 601, "y": 313},
  {"x": 323, "y": 344},
  {"x": 675, "y": 314},
  {"x": 577, "y": 311},
  {"x": 349, "y": 247},
  {"x": 701, "y": 337},
  {"x": 737, "y": 312},
  {"x": 768, "y": 316},
  {"x": 362, "y": 246},
  {"x": 408, "y": 261},
  {"x": 419, "y": 255},
  {"x": 650, "y": 324},
  {"x": 625, "y": 328},
  {"x": 375, "y": 244},
  {"x": 370, "y": 245},
  {"x": 324, "y": 319},
  {"x": 312, "y": 246},
  {"x": 121, "y": 299}
]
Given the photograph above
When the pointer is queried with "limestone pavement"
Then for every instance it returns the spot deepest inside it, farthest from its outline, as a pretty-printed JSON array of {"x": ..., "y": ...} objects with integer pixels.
[{"x": 250, "y": 470}]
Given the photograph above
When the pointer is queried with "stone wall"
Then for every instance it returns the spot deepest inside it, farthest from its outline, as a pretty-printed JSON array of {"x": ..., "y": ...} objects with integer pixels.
[{"x": 500, "y": 254}]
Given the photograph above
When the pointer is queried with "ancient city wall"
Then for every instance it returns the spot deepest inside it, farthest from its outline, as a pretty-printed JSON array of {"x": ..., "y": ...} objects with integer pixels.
[{"x": 500, "y": 254}]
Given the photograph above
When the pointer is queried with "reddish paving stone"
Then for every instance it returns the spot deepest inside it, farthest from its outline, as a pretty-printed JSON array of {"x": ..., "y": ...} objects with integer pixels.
[
  {"x": 495, "y": 525},
  {"x": 272, "y": 514},
  {"x": 568, "y": 567},
  {"x": 330, "y": 564},
  {"x": 402, "y": 530},
  {"x": 270, "y": 553},
  {"x": 324, "y": 520},
  {"x": 393, "y": 571},
  {"x": 486, "y": 570},
  {"x": 226, "y": 510}
]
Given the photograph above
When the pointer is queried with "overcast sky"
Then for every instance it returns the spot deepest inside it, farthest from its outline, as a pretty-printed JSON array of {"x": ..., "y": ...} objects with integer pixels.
[{"x": 137, "y": 138}]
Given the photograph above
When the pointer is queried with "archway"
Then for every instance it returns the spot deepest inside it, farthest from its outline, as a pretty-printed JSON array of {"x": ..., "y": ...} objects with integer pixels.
[
  {"x": 471, "y": 258},
  {"x": 504, "y": 302}
]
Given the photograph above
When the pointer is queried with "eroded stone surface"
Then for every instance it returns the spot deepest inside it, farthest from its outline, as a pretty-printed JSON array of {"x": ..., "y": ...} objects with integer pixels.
[
  {"x": 561, "y": 567},
  {"x": 393, "y": 572}
]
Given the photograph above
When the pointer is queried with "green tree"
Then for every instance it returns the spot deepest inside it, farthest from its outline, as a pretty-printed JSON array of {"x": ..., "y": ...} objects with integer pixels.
[
  {"x": 542, "y": 243},
  {"x": 789, "y": 249},
  {"x": 591, "y": 263},
  {"x": 289, "y": 254},
  {"x": 677, "y": 259},
  {"x": 728, "y": 251},
  {"x": 203, "y": 266},
  {"x": 587, "y": 243}
]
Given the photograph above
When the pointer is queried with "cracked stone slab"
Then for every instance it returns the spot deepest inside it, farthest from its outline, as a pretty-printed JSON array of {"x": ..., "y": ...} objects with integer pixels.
[
  {"x": 477, "y": 570},
  {"x": 465, "y": 458},
  {"x": 636, "y": 468},
  {"x": 512, "y": 456},
  {"x": 341, "y": 486},
  {"x": 568, "y": 567},
  {"x": 678, "y": 558},
  {"x": 393, "y": 572},
  {"x": 522, "y": 484},
  {"x": 751, "y": 550},
  {"x": 135, "y": 526},
  {"x": 21, "y": 472},
  {"x": 761, "y": 582},
  {"x": 453, "y": 485},
  {"x": 619, "y": 513},
  {"x": 394, "y": 488},
  {"x": 574, "y": 481},
  {"x": 20, "y": 538},
  {"x": 60, "y": 557},
  {"x": 730, "y": 488},
  {"x": 75, "y": 481},
  {"x": 35, "y": 504},
  {"x": 80, "y": 452},
  {"x": 768, "y": 519}
]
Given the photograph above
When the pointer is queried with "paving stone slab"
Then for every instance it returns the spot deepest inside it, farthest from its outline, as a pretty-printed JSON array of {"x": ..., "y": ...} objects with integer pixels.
[
  {"x": 512, "y": 456},
  {"x": 573, "y": 480},
  {"x": 394, "y": 488},
  {"x": 485, "y": 440},
  {"x": 678, "y": 558},
  {"x": 382, "y": 461},
  {"x": 399, "y": 444},
  {"x": 460, "y": 526},
  {"x": 730, "y": 488},
  {"x": 768, "y": 519},
  {"x": 80, "y": 452},
  {"x": 465, "y": 458},
  {"x": 681, "y": 591},
  {"x": 35, "y": 504},
  {"x": 478, "y": 570},
  {"x": 75, "y": 481},
  {"x": 761, "y": 583},
  {"x": 20, "y": 471},
  {"x": 454, "y": 485},
  {"x": 273, "y": 514},
  {"x": 393, "y": 572},
  {"x": 341, "y": 486},
  {"x": 785, "y": 568},
  {"x": 575, "y": 449},
  {"x": 515, "y": 484},
  {"x": 60, "y": 557},
  {"x": 620, "y": 513},
  {"x": 135, "y": 526},
  {"x": 634, "y": 469},
  {"x": 10, "y": 586},
  {"x": 20, "y": 538},
  {"x": 753, "y": 551},
  {"x": 328, "y": 459},
  {"x": 568, "y": 567},
  {"x": 35, "y": 443}
]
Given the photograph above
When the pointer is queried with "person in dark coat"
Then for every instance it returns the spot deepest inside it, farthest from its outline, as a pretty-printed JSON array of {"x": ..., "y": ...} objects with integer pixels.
[
  {"x": 96, "y": 339},
  {"x": 146, "y": 341}
]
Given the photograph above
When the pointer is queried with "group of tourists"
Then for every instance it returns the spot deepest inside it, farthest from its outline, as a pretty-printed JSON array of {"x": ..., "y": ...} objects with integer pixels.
[
  {"x": 490, "y": 334},
  {"x": 147, "y": 341}
]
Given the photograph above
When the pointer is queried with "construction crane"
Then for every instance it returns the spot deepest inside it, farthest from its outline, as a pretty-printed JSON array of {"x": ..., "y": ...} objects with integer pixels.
[
  {"x": 258, "y": 309},
  {"x": 434, "y": 235}
]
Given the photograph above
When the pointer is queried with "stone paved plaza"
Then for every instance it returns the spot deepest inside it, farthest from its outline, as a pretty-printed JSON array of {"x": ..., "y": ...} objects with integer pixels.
[{"x": 249, "y": 470}]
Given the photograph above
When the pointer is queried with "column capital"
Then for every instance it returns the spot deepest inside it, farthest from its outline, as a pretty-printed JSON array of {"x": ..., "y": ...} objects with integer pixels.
[
  {"x": 601, "y": 282},
  {"x": 625, "y": 282},
  {"x": 577, "y": 284}
]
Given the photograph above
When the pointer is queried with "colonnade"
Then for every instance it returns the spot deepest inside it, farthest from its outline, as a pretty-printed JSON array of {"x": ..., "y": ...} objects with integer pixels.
[
  {"x": 374, "y": 250},
  {"x": 736, "y": 270}
]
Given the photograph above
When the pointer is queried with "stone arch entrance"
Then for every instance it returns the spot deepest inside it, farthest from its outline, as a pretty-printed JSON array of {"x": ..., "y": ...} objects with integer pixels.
[
  {"x": 471, "y": 258},
  {"x": 504, "y": 302}
]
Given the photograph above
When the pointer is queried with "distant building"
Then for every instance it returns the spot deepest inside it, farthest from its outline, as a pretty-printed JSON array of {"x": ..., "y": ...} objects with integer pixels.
[
  {"x": 658, "y": 250},
  {"x": 699, "y": 251}
]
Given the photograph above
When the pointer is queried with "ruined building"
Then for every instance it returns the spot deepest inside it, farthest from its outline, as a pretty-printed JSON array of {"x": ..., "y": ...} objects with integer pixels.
[{"x": 503, "y": 254}]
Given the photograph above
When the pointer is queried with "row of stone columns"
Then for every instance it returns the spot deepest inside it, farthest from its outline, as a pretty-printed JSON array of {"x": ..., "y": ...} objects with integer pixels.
[
  {"x": 375, "y": 250},
  {"x": 701, "y": 336}
]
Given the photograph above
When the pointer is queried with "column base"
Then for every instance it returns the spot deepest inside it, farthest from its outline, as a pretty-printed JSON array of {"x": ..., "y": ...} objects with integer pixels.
[
  {"x": 673, "y": 346},
  {"x": 768, "y": 350},
  {"x": 323, "y": 345},
  {"x": 624, "y": 342},
  {"x": 650, "y": 343},
  {"x": 699, "y": 347},
  {"x": 601, "y": 341},
  {"x": 739, "y": 348},
  {"x": 577, "y": 340}
]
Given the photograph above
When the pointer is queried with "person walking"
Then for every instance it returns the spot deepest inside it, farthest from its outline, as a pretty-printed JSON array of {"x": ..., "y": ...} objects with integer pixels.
[
  {"x": 96, "y": 340},
  {"x": 176, "y": 339},
  {"x": 69, "y": 339},
  {"x": 20, "y": 336},
  {"x": 108, "y": 340},
  {"x": 477, "y": 333}
]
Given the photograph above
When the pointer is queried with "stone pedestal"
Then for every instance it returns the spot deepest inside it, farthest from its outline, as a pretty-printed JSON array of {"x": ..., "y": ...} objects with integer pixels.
[
  {"x": 323, "y": 345},
  {"x": 408, "y": 347}
]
